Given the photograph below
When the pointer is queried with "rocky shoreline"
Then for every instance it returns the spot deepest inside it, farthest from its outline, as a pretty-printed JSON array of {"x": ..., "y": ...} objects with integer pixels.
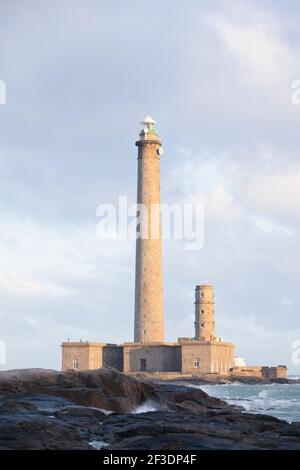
[
  {"x": 246, "y": 380},
  {"x": 105, "y": 409}
]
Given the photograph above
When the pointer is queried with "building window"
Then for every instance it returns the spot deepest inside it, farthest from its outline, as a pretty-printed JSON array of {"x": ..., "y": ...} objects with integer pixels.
[
  {"x": 75, "y": 364},
  {"x": 196, "y": 363},
  {"x": 202, "y": 311},
  {"x": 143, "y": 364}
]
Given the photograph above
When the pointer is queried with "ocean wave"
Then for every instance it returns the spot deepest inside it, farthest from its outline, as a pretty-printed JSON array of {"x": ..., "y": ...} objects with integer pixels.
[
  {"x": 279, "y": 400},
  {"x": 146, "y": 407}
]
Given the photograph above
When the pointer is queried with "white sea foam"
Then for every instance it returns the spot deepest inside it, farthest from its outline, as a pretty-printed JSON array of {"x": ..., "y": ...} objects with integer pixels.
[
  {"x": 98, "y": 444},
  {"x": 263, "y": 394},
  {"x": 106, "y": 412},
  {"x": 279, "y": 400},
  {"x": 145, "y": 407}
]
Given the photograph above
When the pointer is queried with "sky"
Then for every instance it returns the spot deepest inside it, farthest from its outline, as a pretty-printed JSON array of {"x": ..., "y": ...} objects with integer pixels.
[{"x": 217, "y": 77}]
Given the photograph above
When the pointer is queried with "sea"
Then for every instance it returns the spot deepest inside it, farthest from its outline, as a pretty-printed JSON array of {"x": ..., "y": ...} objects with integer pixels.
[{"x": 279, "y": 400}]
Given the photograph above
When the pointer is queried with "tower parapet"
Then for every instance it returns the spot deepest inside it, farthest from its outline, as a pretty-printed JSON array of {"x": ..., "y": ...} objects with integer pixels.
[{"x": 204, "y": 313}]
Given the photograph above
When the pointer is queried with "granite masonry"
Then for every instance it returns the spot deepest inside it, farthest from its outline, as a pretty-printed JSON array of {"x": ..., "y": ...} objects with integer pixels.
[{"x": 205, "y": 353}]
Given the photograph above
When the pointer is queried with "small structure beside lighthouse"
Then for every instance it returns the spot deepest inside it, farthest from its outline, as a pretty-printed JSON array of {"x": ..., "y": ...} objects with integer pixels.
[
  {"x": 204, "y": 313},
  {"x": 205, "y": 353}
]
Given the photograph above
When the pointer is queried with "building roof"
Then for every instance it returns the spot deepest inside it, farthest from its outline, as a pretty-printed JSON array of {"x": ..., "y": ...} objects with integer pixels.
[{"x": 148, "y": 120}]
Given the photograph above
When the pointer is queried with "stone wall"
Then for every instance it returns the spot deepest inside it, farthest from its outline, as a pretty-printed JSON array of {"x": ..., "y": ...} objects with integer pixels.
[
  {"x": 113, "y": 356},
  {"x": 247, "y": 371},
  {"x": 156, "y": 357},
  {"x": 200, "y": 357},
  {"x": 260, "y": 371},
  {"x": 222, "y": 357},
  {"x": 279, "y": 372},
  {"x": 81, "y": 355},
  {"x": 187, "y": 357},
  {"x": 192, "y": 352}
]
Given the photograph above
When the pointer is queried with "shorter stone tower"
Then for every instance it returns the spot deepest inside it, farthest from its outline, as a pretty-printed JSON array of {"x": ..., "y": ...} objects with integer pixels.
[{"x": 204, "y": 313}]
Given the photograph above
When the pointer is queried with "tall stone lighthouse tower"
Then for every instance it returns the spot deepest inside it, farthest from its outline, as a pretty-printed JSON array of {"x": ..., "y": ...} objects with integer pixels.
[
  {"x": 204, "y": 313},
  {"x": 149, "y": 317}
]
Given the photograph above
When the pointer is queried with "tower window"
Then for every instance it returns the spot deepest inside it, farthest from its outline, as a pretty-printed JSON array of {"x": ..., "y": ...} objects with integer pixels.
[
  {"x": 75, "y": 364},
  {"x": 196, "y": 363}
]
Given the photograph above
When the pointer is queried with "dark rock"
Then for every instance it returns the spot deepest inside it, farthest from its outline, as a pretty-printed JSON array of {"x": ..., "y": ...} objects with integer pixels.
[
  {"x": 44, "y": 409},
  {"x": 102, "y": 388},
  {"x": 15, "y": 406},
  {"x": 80, "y": 411},
  {"x": 39, "y": 433}
]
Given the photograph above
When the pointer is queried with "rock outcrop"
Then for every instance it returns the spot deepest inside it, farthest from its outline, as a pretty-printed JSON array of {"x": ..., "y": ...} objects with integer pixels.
[
  {"x": 103, "y": 388},
  {"x": 44, "y": 409}
]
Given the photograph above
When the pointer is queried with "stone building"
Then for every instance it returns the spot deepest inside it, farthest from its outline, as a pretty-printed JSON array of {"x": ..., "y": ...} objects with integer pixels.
[
  {"x": 278, "y": 372},
  {"x": 191, "y": 356},
  {"x": 205, "y": 353}
]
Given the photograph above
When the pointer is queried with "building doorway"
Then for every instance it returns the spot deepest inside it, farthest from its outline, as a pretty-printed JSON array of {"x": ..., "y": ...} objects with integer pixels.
[{"x": 143, "y": 364}]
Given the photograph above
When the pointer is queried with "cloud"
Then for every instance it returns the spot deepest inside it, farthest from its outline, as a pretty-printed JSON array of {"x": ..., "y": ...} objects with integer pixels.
[
  {"x": 255, "y": 40},
  {"x": 268, "y": 227},
  {"x": 274, "y": 346},
  {"x": 65, "y": 252},
  {"x": 276, "y": 194},
  {"x": 15, "y": 284},
  {"x": 251, "y": 246},
  {"x": 219, "y": 86},
  {"x": 57, "y": 280},
  {"x": 259, "y": 181},
  {"x": 241, "y": 63}
]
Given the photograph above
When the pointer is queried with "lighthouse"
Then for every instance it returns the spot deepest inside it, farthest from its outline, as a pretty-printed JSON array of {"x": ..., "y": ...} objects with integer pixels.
[
  {"x": 149, "y": 352},
  {"x": 149, "y": 314}
]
